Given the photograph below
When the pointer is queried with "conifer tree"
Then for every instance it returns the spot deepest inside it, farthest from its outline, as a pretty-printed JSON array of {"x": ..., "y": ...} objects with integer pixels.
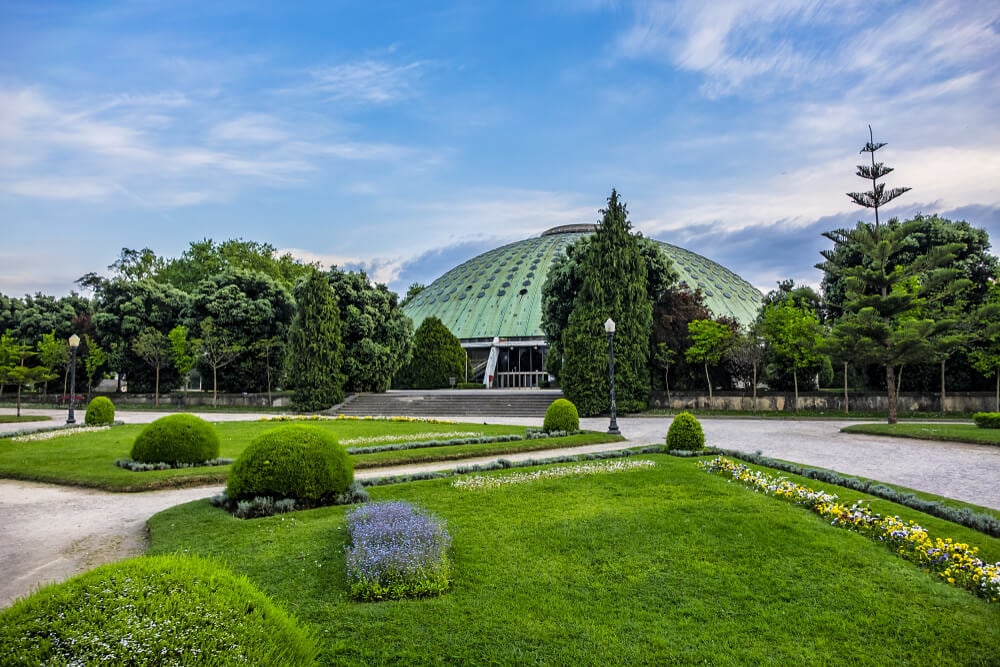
[
  {"x": 437, "y": 358},
  {"x": 614, "y": 284},
  {"x": 315, "y": 350}
]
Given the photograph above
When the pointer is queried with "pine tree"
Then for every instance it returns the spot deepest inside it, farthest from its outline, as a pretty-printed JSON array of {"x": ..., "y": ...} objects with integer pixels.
[
  {"x": 614, "y": 285},
  {"x": 437, "y": 358},
  {"x": 315, "y": 349}
]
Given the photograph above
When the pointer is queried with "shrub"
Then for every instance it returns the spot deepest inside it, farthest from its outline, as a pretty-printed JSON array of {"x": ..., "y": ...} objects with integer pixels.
[
  {"x": 100, "y": 411},
  {"x": 987, "y": 419},
  {"x": 396, "y": 551},
  {"x": 685, "y": 433},
  {"x": 561, "y": 416},
  {"x": 176, "y": 439},
  {"x": 295, "y": 461},
  {"x": 152, "y": 610}
]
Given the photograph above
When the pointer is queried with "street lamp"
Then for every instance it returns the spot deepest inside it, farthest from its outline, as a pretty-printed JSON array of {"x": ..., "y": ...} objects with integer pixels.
[
  {"x": 609, "y": 326},
  {"x": 74, "y": 342}
]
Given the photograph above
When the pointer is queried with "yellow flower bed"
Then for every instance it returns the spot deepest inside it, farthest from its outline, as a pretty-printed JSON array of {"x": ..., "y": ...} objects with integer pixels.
[{"x": 955, "y": 562}]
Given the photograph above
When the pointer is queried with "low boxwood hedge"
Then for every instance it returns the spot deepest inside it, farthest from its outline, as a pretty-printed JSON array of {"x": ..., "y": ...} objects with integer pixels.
[
  {"x": 160, "y": 610},
  {"x": 685, "y": 433},
  {"x": 178, "y": 438},
  {"x": 100, "y": 411},
  {"x": 987, "y": 419},
  {"x": 561, "y": 415}
]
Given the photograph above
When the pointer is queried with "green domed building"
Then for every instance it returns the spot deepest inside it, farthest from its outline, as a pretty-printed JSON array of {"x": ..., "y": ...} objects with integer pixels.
[{"x": 493, "y": 302}]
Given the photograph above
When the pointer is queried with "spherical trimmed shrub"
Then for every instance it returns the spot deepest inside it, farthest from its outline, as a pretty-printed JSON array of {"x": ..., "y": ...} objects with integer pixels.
[
  {"x": 685, "y": 433},
  {"x": 153, "y": 610},
  {"x": 176, "y": 439},
  {"x": 561, "y": 416},
  {"x": 100, "y": 411},
  {"x": 295, "y": 461}
]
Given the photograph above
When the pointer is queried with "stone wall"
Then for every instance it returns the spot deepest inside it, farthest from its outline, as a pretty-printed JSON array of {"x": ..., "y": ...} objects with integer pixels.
[{"x": 963, "y": 402}]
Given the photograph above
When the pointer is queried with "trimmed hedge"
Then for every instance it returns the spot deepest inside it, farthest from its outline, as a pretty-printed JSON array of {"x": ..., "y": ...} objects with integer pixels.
[
  {"x": 153, "y": 610},
  {"x": 987, "y": 419},
  {"x": 561, "y": 415},
  {"x": 297, "y": 461},
  {"x": 685, "y": 433},
  {"x": 100, "y": 411},
  {"x": 175, "y": 439}
]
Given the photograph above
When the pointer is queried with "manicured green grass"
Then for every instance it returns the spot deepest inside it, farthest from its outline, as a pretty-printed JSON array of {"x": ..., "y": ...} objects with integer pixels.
[
  {"x": 662, "y": 566},
  {"x": 87, "y": 459},
  {"x": 14, "y": 419},
  {"x": 948, "y": 432}
]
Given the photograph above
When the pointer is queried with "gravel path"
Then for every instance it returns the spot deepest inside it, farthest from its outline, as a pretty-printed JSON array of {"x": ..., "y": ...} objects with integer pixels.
[{"x": 48, "y": 533}]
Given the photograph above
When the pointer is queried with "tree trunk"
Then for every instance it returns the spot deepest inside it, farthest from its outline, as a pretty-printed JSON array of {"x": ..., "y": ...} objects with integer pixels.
[
  {"x": 666, "y": 381},
  {"x": 18, "y": 400},
  {"x": 795, "y": 381},
  {"x": 943, "y": 409},
  {"x": 156, "y": 394},
  {"x": 998, "y": 392},
  {"x": 755, "y": 387},
  {"x": 847, "y": 401},
  {"x": 890, "y": 385},
  {"x": 215, "y": 383},
  {"x": 899, "y": 380},
  {"x": 708, "y": 381}
]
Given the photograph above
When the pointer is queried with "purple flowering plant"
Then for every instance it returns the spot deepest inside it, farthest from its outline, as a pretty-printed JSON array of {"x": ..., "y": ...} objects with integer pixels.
[{"x": 396, "y": 551}]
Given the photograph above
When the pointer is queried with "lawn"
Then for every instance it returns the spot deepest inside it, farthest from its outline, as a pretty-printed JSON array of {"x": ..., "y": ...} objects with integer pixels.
[
  {"x": 15, "y": 419},
  {"x": 87, "y": 458},
  {"x": 664, "y": 565},
  {"x": 947, "y": 432}
]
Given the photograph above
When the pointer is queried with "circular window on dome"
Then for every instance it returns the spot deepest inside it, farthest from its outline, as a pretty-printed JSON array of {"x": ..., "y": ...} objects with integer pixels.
[
  {"x": 526, "y": 283},
  {"x": 523, "y": 292},
  {"x": 481, "y": 295},
  {"x": 505, "y": 284},
  {"x": 501, "y": 292}
]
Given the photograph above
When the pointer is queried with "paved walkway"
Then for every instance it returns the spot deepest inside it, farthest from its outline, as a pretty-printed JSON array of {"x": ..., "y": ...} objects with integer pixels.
[{"x": 48, "y": 533}]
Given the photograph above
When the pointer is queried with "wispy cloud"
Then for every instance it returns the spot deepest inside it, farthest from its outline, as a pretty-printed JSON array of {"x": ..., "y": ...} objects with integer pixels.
[{"x": 369, "y": 81}]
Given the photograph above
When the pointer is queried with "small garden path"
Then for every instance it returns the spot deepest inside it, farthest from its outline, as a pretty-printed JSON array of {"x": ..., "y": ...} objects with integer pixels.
[{"x": 48, "y": 533}]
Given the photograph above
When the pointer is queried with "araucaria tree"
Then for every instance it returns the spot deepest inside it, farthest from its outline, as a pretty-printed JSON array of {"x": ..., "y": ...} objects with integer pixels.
[
  {"x": 315, "y": 351},
  {"x": 883, "y": 298},
  {"x": 614, "y": 283}
]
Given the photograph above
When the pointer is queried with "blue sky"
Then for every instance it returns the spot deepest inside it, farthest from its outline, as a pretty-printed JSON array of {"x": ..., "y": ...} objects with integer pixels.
[{"x": 405, "y": 137}]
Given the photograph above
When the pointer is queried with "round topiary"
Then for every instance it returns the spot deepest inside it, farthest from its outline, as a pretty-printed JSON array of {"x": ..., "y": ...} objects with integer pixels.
[
  {"x": 295, "y": 461},
  {"x": 100, "y": 411},
  {"x": 561, "y": 416},
  {"x": 176, "y": 439},
  {"x": 685, "y": 433},
  {"x": 152, "y": 611}
]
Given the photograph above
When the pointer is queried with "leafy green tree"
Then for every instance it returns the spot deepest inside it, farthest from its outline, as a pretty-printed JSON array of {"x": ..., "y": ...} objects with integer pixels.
[
  {"x": 154, "y": 349},
  {"x": 9, "y": 355},
  {"x": 411, "y": 293},
  {"x": 675, "y": 308},
  {"x": 249, "y": 306},
  {"x": 985, "y": 356},
  {"x": 53, "y": 353},
  {"x": 217, "y": 350},
  {"x": 41, "y": 314},
  {"x": 744, "y": 359},
  {"x": 20, "y": 374},
  {"x": 205, "y": 259},
  {"x": 315, "y": 350},
  {"x": 376, "y": 332},
  {"x": 182, "y": 351},
  {"x": 617, "y": 275},
  {"x": 794, "y": 337},
  {"x": 710, "y": 340},
  {"x": 93, "y": 361},
  {"x": 437, "y": 356}
]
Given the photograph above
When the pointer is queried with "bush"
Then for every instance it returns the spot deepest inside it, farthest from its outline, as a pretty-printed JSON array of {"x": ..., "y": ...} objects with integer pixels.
[
  {"x": 296, "y": 461},
  {"x": 561, "y": 416},
  {"x": 685, "y": 433},
  {"x": 987, "y": 419},
  {"x": 176, "y": 439},
  {"x": 152, "y": 610},
  {"x": 396, "y": 551},
  {"x": 100, "y": 411}
]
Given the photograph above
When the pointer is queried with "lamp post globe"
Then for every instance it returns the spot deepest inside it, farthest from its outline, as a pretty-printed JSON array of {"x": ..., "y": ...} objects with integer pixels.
[
  {"x": 609, "y": 327},
  {"x": 74, "y": 343}
]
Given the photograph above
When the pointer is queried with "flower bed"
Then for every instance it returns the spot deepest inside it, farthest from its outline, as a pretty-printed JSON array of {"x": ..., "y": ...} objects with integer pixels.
[
  {"x": 366, "y": 418},
  {"x": 58, "y": 433},
  {"x": 396, "y": 551},
  {"x": 495, "y": 482},
  {"x": 954, "y": 562}
]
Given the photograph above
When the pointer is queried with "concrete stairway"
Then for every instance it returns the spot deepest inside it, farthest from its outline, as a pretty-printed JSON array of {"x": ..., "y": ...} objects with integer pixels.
[{"x": 452, "y": 403}]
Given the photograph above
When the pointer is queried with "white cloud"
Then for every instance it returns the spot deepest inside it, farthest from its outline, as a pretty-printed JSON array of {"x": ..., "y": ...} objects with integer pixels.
[
  {"x": 366, "y": 81},
  {"x": 250, "y": 128}
]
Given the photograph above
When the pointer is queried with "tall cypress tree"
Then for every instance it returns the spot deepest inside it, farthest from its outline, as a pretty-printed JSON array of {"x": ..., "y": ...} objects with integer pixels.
[
  {"x": 614, "y": 284},
  {"x": 315, "y": 350}
]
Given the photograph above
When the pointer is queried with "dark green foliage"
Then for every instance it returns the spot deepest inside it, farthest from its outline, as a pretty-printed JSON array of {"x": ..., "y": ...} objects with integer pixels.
[
  {"x": 153, "y": 610},
  {"x": 375, "y": 331},
  {"x": 984, "y": 523},
  {"x": 206, "y": 258},
  {"x": 673, "y": 310},
  {"x": 315, "y": 350},
  {"x": 436, "y": 358},
  {"x": 685, "y": 433},
  {"x": 987, "y": 419},
  {"x": 561, "y": 415},
  {"x": 614, "y": 283},
  {"x": 178, "y": 438},
  {"x": 100, "y": 411},
  {"x": 300, "y": 462}
]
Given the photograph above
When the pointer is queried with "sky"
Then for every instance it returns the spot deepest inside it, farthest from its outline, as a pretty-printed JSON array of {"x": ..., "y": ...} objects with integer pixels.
[{"x": 406, "y": 137}]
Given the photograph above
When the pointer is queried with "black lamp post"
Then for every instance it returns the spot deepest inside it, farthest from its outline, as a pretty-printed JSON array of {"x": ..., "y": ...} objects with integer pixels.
[
  {"x": 609, "y": 326},
  {"x": 74, "y": 342}
]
